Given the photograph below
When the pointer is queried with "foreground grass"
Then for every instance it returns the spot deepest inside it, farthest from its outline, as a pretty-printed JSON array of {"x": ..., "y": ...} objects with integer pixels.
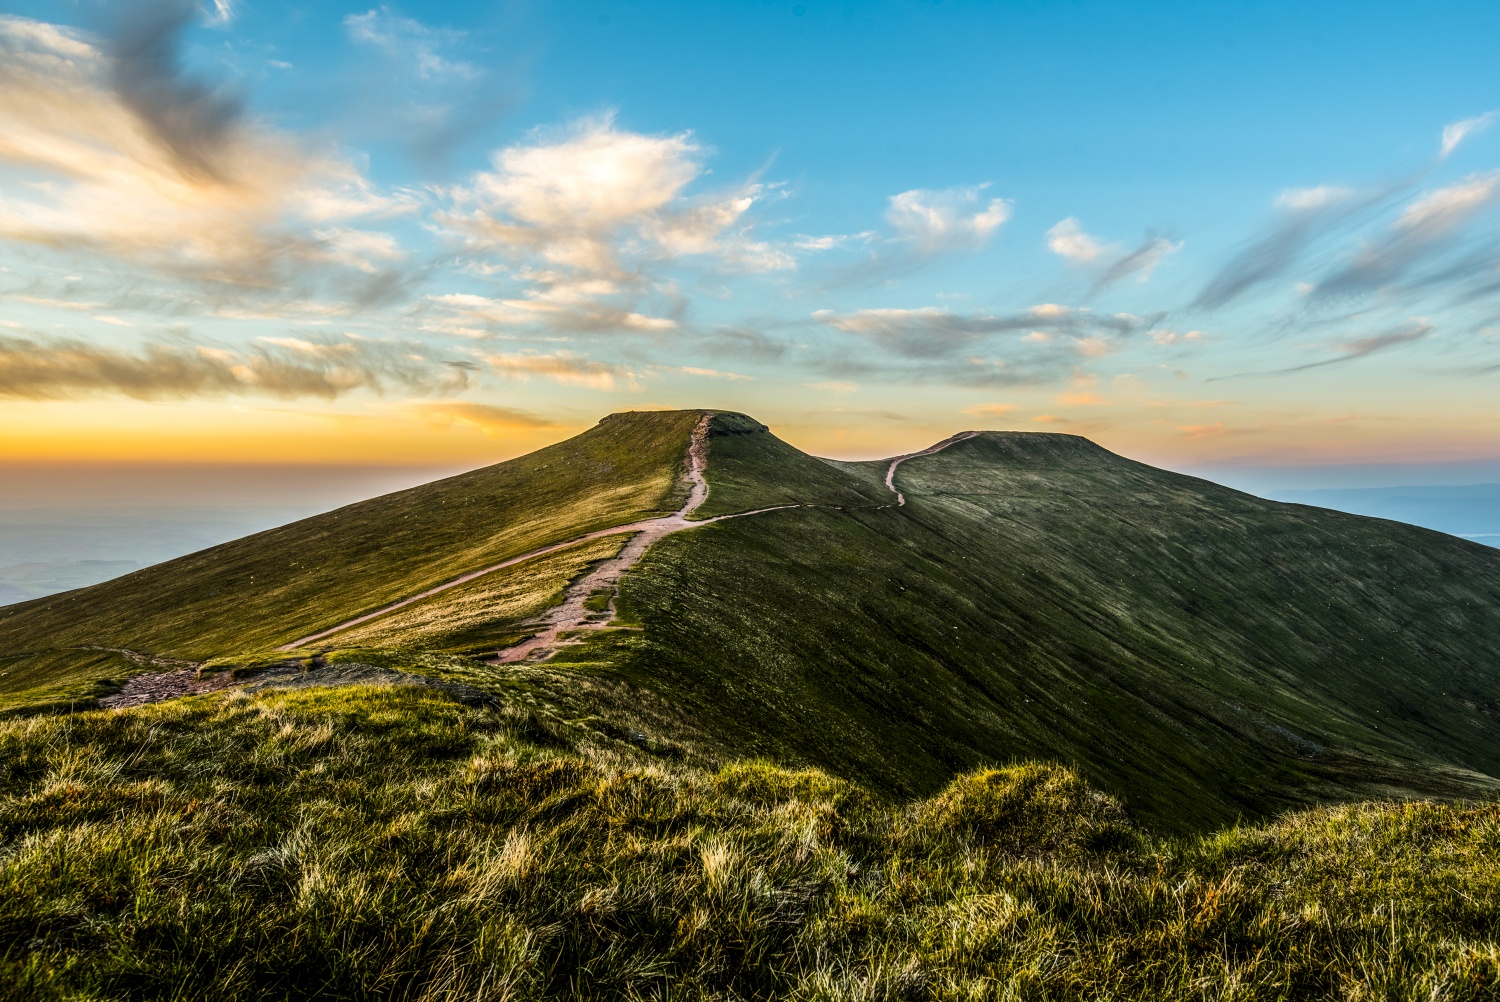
[{"x": 388, "y": 843}]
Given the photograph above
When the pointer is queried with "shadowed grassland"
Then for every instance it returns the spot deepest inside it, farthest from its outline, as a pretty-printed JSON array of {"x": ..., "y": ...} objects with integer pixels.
[
  {"x": 255, "y": 593},
  {"x": 1203, "y": 654},
  {"x": 387, "y": 843}
]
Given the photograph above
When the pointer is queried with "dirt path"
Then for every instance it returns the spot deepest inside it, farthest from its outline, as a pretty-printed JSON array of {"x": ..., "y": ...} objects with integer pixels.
[
  {"x": 573, "y": 615},
  {"x": 890, "y": 473},
  {"x": 607, "y": 576}
]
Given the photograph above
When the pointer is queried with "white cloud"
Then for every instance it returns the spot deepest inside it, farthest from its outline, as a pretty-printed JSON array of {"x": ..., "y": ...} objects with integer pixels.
[
  {"x": 411, "y": 42},
  {"x": 1308, "y": 199},
  {"x": 1459, "y": 131},
  {"x": 592, "y": 219},
  {"x": 169, "y": 186},
  {"x": 949, "y": 219},
  {"x": 1445, "y": 208},
  {"x": 1068, "y": 240}
]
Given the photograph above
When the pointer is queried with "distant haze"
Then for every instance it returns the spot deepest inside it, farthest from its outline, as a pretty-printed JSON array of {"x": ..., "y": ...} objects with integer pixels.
[{"x": 65, "y": 526}]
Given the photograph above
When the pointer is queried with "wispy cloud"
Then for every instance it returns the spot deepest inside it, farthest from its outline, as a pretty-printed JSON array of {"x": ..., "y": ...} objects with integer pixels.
[
  {"x": 412, "y": 42},
  {"x": 1042, "y": 344},
  {"x": 487, "y": 418},
  {"x": 566, "y": 367},
  {"x": 1459, "y": 131},
  {"x": 926, "y": 226},
  {"x": 157, "y": 169},
  {"x": 1140, "y": 262},
  {"x": 1302, "y": 216},
  {"x": 1111, "y": 263},
  {"x": 931, "y": 331},
  {"x": 1415, "y": 329},
  {"x": 59, "y": 368},
  {"x": 1421, "y": 229}
]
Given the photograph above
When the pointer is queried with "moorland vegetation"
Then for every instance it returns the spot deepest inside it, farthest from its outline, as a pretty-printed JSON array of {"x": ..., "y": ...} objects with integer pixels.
[{"x": 391, "y": 843}]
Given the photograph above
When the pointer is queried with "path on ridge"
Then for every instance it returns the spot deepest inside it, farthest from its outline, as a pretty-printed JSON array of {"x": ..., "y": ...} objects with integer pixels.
[{"x": 572, "y": 614}]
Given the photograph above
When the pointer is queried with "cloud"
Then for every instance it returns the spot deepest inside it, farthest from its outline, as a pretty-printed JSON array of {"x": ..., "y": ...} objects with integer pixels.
[
  {"x": 989, "y": 410},
  {"x": 1302, "y": 216},
  {"x": 410, "y": 41},
  {"x": 1415, "y": 237},
  {"x": 950, "y": 219},
  {"x": 834, "y": 386},
  {"x": 589, "y": 220},
  {"x": 193, "y": 121},
  {"x": 1415, "y": 329},
  {"x": 61, "y": 368},
  {"x": 577, "y": 306},
  {"x": 693, "y": 370},
  {"x": 129, "y": 157},
  {"x": 1140, "y": 262},
  {"x": 1042, "y": 344},
  {"x": 566, "y": 367},
  {"x": 1459, "y": 131},
  {"x": 931, "y": 331},
  {"x": 487, "y": 418},
  {"x": 1068, "y": 240}
]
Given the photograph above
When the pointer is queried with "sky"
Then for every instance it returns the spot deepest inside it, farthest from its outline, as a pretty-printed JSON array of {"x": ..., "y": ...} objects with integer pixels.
[{"x": 1221, "y": 237}]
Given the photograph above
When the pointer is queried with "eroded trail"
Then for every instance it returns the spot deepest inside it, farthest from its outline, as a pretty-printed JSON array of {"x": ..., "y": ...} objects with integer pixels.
[
  {"x": 561, "y": 624},
  {"x": 890, "y": 473},
  {"x": 571, "y": 614}
]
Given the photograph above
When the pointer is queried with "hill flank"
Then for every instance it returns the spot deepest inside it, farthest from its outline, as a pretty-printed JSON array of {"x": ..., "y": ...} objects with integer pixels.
[{"x": 1200, "y": 653}]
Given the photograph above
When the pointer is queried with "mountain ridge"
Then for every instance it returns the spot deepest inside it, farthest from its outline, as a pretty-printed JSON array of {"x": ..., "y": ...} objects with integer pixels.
[{"x": 1011, "y": 595}]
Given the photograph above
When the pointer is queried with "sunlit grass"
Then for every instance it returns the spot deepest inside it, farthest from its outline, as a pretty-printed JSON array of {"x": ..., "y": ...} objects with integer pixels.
[{"x": 388, "y": 843}]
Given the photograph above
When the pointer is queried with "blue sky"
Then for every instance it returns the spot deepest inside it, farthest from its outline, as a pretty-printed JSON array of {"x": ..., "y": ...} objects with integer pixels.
[{"x": 1207, "y": 235}]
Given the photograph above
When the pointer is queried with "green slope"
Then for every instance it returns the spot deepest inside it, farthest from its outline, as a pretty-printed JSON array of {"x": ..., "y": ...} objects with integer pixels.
[
  {"x": 1202, "y": 653},
  {"x": 255, "y": 593},
  {"x": 388, "y": 843},
  {"x": 1199, "y": 653}
]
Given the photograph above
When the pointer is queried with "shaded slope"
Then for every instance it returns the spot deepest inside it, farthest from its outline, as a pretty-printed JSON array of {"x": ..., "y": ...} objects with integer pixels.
[
  {"x": 750, "y": 468},
  {"x": 1198, "y": 651},
  {"x": 266, "y": 589}
]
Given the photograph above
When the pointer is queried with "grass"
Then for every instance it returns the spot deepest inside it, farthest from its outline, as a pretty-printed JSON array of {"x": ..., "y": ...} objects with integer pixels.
[
  {"x": 1199, "y": 654},
  {"x": 255, "y": 593},
  {"x": 487, "y": 612},
  {"x": 387, "y": 843}
]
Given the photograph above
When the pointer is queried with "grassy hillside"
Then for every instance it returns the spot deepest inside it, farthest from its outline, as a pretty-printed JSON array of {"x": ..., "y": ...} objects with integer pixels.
[
  {"x": 266, "y": 589},
  {"x": 388, "y": 843},
  {"x": 1199, "y": 652}
]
